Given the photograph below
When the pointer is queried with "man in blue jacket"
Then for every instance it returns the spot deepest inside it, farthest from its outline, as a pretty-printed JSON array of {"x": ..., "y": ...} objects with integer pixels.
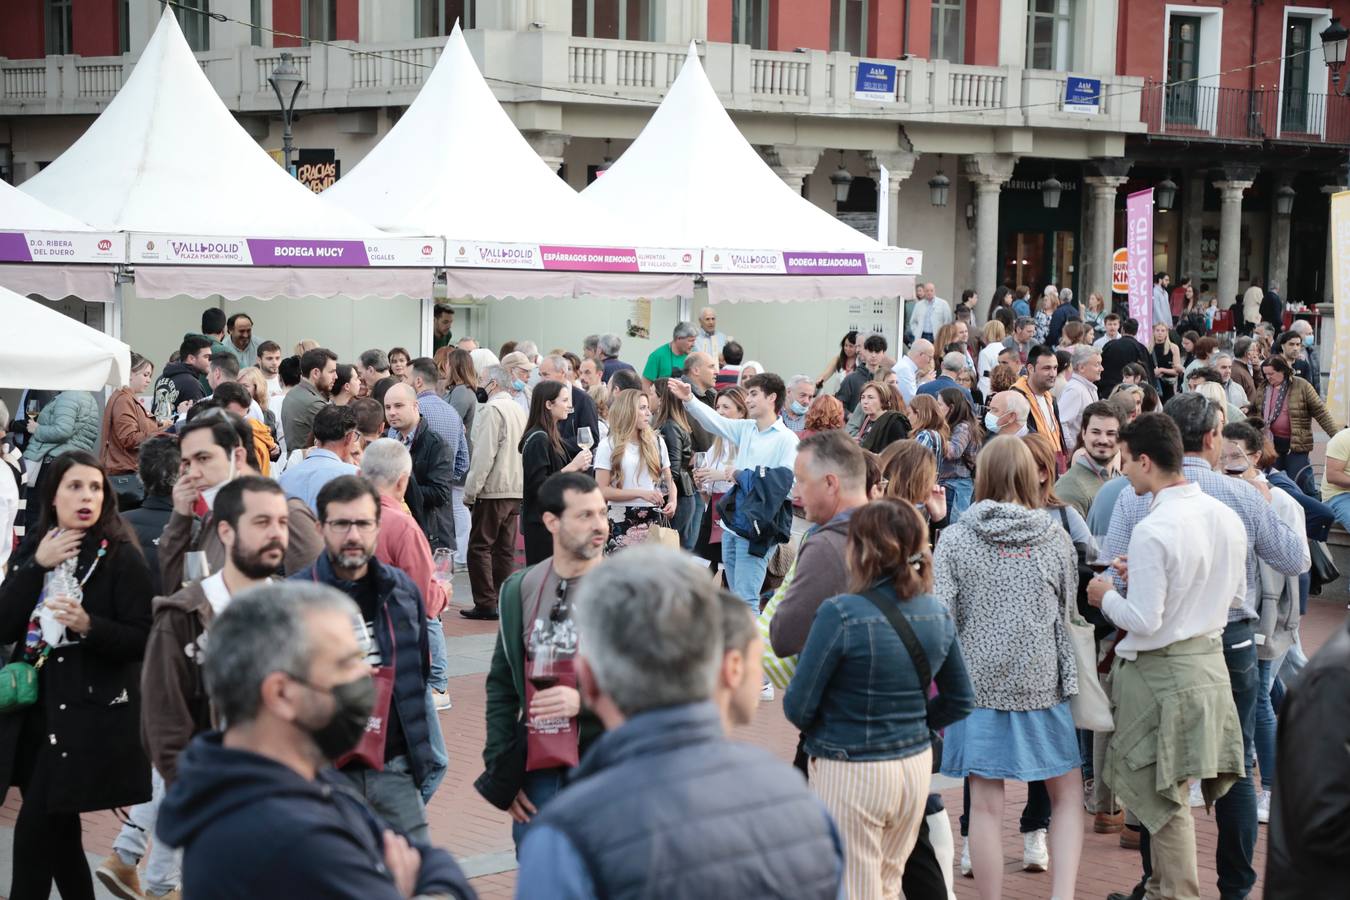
[
  {"x": 257, "y": 810},
  {"x": 663, "y": 802},
  {"x": 394, "y": 622}
]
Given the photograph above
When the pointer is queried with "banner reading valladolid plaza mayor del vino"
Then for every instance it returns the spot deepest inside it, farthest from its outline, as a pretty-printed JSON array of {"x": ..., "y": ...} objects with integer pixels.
[{"x": 1338, "y": 389}]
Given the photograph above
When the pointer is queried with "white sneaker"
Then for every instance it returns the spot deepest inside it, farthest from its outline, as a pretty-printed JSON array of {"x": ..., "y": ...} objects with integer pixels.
[
  {"x": 1263, "y": 807},
  {"x": 442, "y": 699},
  {"x": 1035, "y": 855},
  {"x": 966, "y": 871},
  {"x": 766, "y": 693},
  {"x": 1089, "y": 785},
  {"x": 1197, "y": 795}
]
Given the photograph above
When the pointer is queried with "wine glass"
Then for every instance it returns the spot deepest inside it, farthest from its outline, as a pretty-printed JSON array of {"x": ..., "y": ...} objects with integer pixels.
[
  {"x": 585, "y": 440},
  {"x": 544, "y": 666},
  {"x": 443, "y": 565},
  {"x": 195, "y": 567}
]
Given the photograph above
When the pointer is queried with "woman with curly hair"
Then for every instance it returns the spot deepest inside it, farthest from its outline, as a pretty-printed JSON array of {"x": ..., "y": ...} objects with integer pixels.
[
  {"x": 826, "y": 413},
  {"x": 632, "y": 467}
]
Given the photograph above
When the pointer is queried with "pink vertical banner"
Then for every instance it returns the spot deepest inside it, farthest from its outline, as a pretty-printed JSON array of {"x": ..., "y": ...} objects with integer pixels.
[{"x": 1139, "y": 260}]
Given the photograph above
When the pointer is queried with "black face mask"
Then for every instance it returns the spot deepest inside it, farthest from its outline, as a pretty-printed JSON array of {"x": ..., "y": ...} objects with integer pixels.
[
  {"x": 354, "y": 702},
  {"x": 481, "y": 394}
]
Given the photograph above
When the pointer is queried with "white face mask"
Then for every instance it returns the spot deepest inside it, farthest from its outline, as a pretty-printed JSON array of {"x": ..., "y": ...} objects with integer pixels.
[
  {"x": 991, "y": 421},
  {"x": 209, "y": 495}
]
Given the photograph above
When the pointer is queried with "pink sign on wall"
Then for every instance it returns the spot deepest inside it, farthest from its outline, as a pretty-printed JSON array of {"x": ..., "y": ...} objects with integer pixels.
[{"x": 1139, "y": 259}]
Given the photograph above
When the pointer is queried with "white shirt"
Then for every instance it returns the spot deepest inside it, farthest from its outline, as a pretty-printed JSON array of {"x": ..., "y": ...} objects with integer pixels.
[
  {"x": 217, "y": 594},
  {"x": 988, "y": 362},
  {"x": 1181, "y": 585},
  {"x": 711, "y": 344},
  {"x": 906, "y": 378},
  {"x": 9, "y": 508},
  {"x": 635, "y": 475},
  {"x": 919, "y": 323},
  {"x": 1105, "y": 339},
  {"x": 1078, "y": 393}
]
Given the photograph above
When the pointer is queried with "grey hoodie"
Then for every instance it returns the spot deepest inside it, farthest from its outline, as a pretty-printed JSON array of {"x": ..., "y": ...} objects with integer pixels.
[{"x": 1007, "y": 573}]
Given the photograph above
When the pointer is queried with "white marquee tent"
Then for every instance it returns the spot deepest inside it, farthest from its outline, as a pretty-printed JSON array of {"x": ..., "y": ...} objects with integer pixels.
[
  {"x": 208, "y": 211},
  {"x": 47, "y": 252},
  {"x": 691, "y": 178},
  {"x": 455, "y": 166},
  {"x": 41, "y": 348}
]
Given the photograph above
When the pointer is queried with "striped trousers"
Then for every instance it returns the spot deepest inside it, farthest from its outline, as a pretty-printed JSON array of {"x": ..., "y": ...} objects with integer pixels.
[{"x": 878, "y": 807}]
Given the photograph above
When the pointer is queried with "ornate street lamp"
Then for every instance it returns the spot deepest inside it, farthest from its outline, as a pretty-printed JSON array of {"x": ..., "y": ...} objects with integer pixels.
[
  {"x": 1165, "y": 194},
  {"x": 1284, "y": 200},
  {"x": 1333, "y": 47},
  {"x": 938, "y": 186},
  {"x": 286, "y": 83},
  {"x": 842, "y": 180},
  {"x": 1051, "y": 188}
]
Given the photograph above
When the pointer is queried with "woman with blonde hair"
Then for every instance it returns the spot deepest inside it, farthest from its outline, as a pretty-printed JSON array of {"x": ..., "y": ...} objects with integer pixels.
[
  {"x": 632, "y": 467},
  {"x": 1008, "y": 580},
  {"x": 927, "y": 424},
  {"x": 909, "y": 473},
  {"x": 599, "y": 394},
  {"x": 993, "y": 335},
  {"x": 1061, "y": 513},
  {"x": 1094, "y": 315}
]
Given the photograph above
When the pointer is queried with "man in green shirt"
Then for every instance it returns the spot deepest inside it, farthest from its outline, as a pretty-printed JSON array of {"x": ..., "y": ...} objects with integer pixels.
[
  {"x": 667, "y": 361},
  {"x": 1095, "y": 466}
]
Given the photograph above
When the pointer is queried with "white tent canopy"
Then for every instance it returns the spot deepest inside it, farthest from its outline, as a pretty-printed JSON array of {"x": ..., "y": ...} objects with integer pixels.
[
  {"x": 45, "y": 251},
  {"x": 167, "y": 162},
  {"x": 455, "y": 166},
  {"x": 41, "y": 348},
  {"x": 691, "y": 178}
]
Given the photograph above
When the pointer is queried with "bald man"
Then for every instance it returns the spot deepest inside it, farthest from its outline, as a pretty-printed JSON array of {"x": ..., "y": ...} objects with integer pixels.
[
  {"x": 709, "y": 340},
  {"x": 431, "y": 487},
  {"x": 1008, "y": 411}
]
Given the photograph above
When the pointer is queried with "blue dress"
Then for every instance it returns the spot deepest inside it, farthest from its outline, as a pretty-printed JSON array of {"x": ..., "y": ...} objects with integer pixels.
[{"x": 1012, "y": 746}]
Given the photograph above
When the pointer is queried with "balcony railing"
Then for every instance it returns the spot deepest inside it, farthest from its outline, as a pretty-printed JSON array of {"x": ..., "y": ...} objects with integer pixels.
[
  {"x": 553, "y": 67},
  {"x": 1238, "y": 114}
]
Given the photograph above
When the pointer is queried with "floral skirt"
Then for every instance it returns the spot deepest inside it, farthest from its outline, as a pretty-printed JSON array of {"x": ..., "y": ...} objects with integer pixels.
[{"x": 629, "y": 525}]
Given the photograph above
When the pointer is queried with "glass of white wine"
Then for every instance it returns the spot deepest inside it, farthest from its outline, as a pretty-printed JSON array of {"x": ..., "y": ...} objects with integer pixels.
[{"x": 585, "y": 440}]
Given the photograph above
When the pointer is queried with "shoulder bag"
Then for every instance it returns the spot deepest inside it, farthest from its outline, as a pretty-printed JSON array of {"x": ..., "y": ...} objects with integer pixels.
[
  {"x": 1091, "y": 707},
  {"x": 911, "y": 641}
]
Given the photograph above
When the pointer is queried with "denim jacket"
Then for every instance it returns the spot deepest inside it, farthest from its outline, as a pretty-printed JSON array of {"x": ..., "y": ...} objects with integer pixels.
[{"x": 856, "y": 694}]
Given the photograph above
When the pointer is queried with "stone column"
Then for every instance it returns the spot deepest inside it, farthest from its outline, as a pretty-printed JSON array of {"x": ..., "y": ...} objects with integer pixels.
[
  {"x": 550, "y": 145},
  {"x": 1279, "y": 243},
  {"x": 988, "y": 172},
  {"x": 1192, "y": 225},
  {"x": 792, "y": 163},
  {"x": 899, "y": 166},
  {"x": 1230, "y": 238},
  {"x": 1103, "y": 178}
]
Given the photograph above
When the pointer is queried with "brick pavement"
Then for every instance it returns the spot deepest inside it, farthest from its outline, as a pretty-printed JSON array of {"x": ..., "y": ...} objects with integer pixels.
[{"x": 465, "y": 824}]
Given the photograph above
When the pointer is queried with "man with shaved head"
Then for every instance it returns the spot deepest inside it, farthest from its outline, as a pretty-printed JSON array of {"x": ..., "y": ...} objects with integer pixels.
[
  {"x": 432, "y": 486},
  {"x": 709, "y": 340}
]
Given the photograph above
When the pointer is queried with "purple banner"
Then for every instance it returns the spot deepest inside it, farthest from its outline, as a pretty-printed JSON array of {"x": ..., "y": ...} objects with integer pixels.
[
  {"x": 14, "y": 247},
  {"x": 307, "y": 253},
  {"x": 825, "y": 263},
  {"x": 1139, "y": 260}
]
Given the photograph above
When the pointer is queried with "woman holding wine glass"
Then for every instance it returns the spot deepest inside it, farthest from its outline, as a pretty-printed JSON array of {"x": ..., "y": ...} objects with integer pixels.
[
  {"x": 632, "y": 467},
  {"x": 76, "y": 606},
  {"x": 543, "y": 453}
]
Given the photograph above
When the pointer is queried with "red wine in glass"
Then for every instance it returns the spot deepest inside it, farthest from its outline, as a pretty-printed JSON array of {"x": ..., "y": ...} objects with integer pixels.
[{"x": 543, "y": 682}]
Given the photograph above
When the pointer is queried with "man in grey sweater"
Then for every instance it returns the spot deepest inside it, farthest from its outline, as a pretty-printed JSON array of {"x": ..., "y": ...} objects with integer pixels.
[{"x": 831, "y": 481}]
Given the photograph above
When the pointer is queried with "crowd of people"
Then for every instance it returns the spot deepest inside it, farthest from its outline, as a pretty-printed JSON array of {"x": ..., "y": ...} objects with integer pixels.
[{"x": 224, "y": 589}]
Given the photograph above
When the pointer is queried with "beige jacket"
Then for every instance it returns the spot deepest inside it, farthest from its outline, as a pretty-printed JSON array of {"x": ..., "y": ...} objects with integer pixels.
[{"x": 495, "y": 472}]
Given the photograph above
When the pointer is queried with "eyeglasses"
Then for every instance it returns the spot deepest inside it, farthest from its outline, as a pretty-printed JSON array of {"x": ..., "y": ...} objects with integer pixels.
[{"x": 342, "y": 526}]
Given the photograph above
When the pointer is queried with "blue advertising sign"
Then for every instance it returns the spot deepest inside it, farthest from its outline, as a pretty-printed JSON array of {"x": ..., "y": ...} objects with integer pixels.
[
  {"x": 876, "y": 81},
  {"x": 1083, "y": 95}
]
